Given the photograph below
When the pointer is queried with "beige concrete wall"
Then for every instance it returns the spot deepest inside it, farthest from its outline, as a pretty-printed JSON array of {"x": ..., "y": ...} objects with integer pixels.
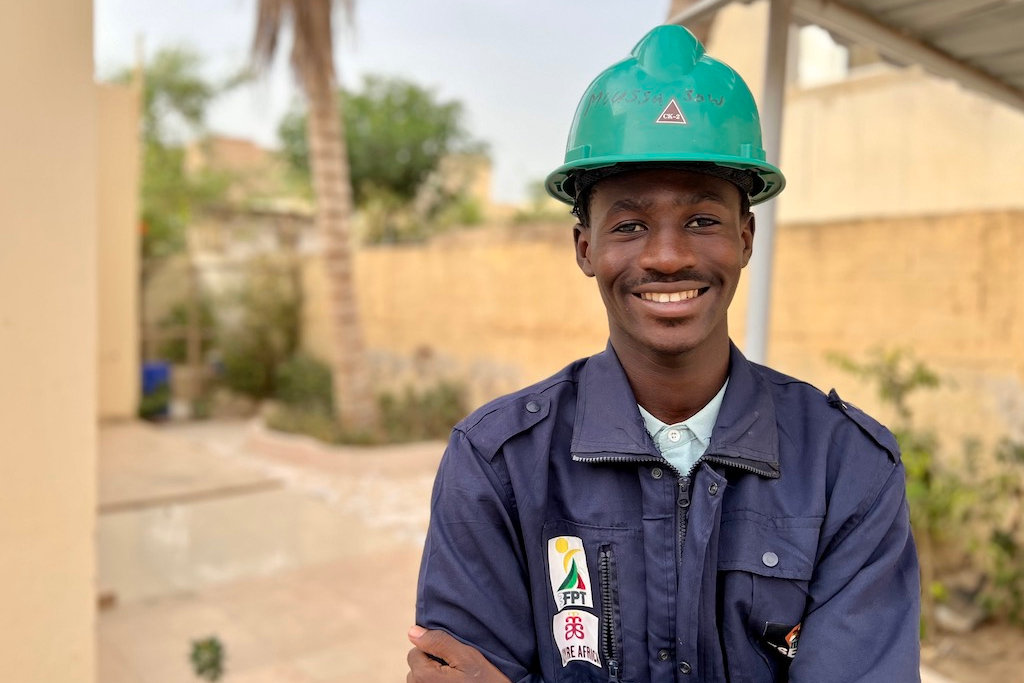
[
  {"x": 501, "y": 308},
  {"x": 485, "y": 305},
  {"x": 898, "y": 143},
  {"x": 946, "y": 287},
  {"x": 47, "y": 342},
  {"x": 118, "y": 251}
]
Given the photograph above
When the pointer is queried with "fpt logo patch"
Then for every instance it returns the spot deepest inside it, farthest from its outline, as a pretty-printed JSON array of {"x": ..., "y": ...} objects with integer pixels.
[{"x": 570, "y": 576}]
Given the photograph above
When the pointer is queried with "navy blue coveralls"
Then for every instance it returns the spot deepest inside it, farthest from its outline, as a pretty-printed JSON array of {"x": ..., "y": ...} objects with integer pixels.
[{"x": 795, "y": 516}]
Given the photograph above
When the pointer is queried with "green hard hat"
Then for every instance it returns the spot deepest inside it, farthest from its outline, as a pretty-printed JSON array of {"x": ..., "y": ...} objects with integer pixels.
[{"x": 667, "y": 102}]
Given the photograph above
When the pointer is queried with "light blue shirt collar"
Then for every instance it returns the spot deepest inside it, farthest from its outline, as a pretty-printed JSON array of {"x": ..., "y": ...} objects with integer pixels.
[{"x": 683, "y": 443}]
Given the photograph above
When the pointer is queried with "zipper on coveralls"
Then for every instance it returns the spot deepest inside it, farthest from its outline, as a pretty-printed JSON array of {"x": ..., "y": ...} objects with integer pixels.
[
  {"x": 683, "y": 505},
  {"x": 609, "y": 603}
]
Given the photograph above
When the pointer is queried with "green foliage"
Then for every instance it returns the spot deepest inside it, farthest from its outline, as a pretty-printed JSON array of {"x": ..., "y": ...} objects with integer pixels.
[
  {"x": 207, "y": 658},
  {"x": 966, "y": 509},
  {"x": 267, "y": 332},
  {"x": 430, "y": 414},
  {"x": 1004, "y": 494},
  {"x": 154, "y": 404},
  {"x": 304, "y": 383},
  {"x": 396, "y": 133},
  {"x": 895, "y": 374},
  {"x": 174, "y": 101},
  {"x": 408, "y": 416}
]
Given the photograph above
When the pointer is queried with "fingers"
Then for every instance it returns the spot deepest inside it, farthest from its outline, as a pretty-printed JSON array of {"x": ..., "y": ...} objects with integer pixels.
[
  {"x": 439, "y": 657},
  {"x": 423, "y": 669},
  {"x": 439, "y": 644}
]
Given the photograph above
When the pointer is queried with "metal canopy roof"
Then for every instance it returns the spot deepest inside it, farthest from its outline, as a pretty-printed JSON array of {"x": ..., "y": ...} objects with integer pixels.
[{"x": 977, "y": 42}]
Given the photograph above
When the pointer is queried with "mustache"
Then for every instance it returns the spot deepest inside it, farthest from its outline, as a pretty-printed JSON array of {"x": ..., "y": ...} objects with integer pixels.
[{"x": 686, "y": 275}]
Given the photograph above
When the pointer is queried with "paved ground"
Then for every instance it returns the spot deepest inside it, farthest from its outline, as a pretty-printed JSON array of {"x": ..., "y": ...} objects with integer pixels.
[{"x": 300, "y": 558}]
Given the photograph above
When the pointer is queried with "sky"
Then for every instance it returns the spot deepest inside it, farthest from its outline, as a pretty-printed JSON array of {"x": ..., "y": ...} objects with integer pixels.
[{"x": 518, "y": 66}]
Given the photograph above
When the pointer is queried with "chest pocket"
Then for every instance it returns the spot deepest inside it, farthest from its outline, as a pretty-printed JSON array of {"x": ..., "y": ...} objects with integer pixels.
[
  {"x": 596, "y": 605},
  {"x": 765, "y": 567}
]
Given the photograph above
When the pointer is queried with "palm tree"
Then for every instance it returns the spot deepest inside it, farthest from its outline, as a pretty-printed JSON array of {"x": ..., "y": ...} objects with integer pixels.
[{"x": 312, "y": 59}]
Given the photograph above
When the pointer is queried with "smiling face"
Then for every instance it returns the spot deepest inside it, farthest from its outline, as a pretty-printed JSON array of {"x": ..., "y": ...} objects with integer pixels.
[{"x": 666, "y": 247}]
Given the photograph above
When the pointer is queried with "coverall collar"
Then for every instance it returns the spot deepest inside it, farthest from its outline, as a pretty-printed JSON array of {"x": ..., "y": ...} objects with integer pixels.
[{"x": 608, "y": 424}]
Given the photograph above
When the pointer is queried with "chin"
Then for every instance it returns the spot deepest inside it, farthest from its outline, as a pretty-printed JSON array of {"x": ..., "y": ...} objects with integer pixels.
[{"x": 669, "y": 345}]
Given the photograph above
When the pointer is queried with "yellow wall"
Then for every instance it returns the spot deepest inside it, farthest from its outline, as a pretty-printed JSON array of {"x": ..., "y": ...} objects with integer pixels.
[
  {"x": 47, "y": 342},
  {"x": 501, "y": 308},
  {"x": 902, "y": 226},
  {"x": 898, "y": 143},
  {"x": 118, "y": 252}
]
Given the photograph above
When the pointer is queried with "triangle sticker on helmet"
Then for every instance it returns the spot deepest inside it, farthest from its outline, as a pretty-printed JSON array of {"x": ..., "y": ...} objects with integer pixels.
[{"x": 672, "y": 114}]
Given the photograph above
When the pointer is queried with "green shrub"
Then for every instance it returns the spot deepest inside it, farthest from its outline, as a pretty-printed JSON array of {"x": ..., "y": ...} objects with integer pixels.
[
  {"x": 207, "y": 657},
  {"x": 248, "y": 366},
  {"x": 430, "y": 414},
  {"x": 959, "y": 509},
  {"x": 267, "y": 331},
  {"x": 154, "y": 405},
  {"x": 405, "y": 417},
  {"x": 304, "y": 382}
]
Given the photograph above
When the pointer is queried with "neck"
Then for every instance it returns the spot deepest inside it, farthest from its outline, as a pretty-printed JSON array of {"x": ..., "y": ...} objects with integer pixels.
[{"x": 674, "y": 387}]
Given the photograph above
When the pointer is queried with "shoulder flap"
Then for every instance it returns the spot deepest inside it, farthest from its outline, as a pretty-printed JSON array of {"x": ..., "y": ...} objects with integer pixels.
[
  {"x": 869, "y": 425},
  {"x": 492, "y": 430}
]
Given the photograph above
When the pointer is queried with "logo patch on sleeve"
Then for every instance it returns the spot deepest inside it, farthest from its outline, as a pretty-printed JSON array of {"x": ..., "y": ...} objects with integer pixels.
[
  {"x": 570, "y": 577},
  {"x": 576, "y": 635},
  {"x": 782, "y": 638}
]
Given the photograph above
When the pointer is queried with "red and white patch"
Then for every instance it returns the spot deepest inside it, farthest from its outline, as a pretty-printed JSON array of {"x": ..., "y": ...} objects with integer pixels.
[
  {"x": 672, "y": 114},
  {"x": 576, "y": 634}
]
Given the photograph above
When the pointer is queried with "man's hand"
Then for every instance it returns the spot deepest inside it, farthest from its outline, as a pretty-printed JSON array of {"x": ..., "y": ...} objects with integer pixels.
[{"x": 460, "y": 662}]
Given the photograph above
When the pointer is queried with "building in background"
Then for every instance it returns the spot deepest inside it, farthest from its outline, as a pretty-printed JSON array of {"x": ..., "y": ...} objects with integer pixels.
[{"x": 68, "y": 330}]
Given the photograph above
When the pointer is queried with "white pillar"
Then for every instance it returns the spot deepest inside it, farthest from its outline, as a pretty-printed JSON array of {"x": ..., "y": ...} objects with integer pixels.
[{"x": 759, "y": 301}]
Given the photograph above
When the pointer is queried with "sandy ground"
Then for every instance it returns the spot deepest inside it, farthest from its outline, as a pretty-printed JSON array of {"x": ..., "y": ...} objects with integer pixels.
[{"x": 301, "y": 558}]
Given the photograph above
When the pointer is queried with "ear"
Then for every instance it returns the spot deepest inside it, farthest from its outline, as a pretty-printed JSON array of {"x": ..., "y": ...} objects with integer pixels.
[
  {"x": 747, "y": 235},
  {"x": 581, "y": 236}
]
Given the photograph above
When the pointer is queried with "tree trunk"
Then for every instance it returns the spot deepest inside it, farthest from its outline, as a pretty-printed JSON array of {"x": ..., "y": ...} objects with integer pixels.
[{"x": 353, "y": 398}]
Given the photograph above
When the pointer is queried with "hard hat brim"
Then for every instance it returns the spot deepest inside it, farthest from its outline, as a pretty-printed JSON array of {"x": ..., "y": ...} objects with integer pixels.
[{"x": 773, "y": 179}]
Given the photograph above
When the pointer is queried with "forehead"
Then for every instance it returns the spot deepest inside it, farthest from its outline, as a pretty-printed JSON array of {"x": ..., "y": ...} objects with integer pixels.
[{"x": 669, "y": 185}]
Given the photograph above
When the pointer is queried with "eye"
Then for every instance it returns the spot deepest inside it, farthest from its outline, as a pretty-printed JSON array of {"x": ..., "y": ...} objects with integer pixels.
[
  {"x": 701, "y": 222},
  {"x": 628, "y": 228}
]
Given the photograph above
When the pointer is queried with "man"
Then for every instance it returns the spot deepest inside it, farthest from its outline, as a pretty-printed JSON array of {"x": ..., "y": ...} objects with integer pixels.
[{"x": 667, "y": 510}]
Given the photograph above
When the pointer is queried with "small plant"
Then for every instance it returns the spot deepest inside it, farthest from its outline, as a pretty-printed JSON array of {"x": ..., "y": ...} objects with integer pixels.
[
  {"x": 430, "y": 414},
  {"x": 154, "y": 405},
  {"x": 964, "y": 510},
  {"x": 266, "y": 333},
  {"x": 207, "y": 658},
  {"x": 303, "y": 382},
  {"x": 405, "y": 417},
  {"x": 1004, "y": 594},
  {"x": 934, "y": 495}
]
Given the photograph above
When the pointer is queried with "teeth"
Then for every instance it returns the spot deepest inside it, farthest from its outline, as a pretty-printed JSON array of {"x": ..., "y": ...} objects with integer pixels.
[{"x": 664, "y": 298}]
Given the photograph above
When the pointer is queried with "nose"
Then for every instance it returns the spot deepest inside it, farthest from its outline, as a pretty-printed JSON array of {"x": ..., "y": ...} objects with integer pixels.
[{"x": 667, "y": 250}]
